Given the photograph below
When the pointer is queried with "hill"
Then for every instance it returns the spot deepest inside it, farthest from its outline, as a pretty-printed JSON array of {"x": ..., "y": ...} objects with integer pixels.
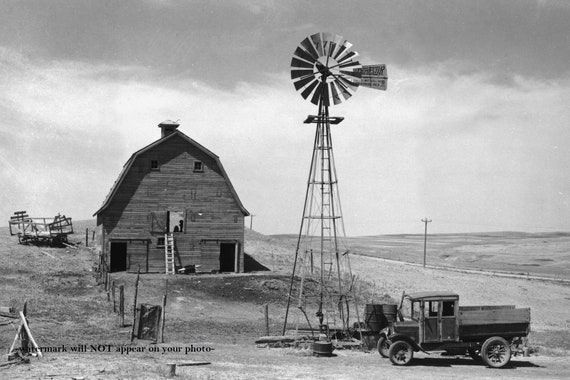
[
  {"x": 225, "y": 312},
  {"x": 536, "y": 254}
]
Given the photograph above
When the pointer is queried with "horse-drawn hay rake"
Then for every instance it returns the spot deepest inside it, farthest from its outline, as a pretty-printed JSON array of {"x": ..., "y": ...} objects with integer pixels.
[{"x": 52, "y": 231}]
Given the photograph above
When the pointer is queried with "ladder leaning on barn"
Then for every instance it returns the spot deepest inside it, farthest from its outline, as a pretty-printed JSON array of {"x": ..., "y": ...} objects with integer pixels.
[{"x": 169, "y": 253}]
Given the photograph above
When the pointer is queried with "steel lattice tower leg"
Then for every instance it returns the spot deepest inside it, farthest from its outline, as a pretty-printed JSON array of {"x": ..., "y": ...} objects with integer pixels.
[{"x": 321, "y": 216}]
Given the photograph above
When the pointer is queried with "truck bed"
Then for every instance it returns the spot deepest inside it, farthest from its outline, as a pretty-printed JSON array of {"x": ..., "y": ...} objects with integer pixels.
[{"x": 477, "y": 322}]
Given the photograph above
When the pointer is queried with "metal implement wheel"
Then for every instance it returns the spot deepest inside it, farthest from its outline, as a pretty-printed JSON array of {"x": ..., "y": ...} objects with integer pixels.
[
  {"x": 400, "y": 353},
  {"x": 496, "y": 352},
  {"x": 383, "y": 346}
]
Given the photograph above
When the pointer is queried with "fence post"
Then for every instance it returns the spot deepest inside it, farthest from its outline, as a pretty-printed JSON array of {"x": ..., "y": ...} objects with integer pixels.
[
  {"x": 87, "y": 237},
  {"x": 162, "y": 320},
  {"x": 122, "y": 305},
  {"x": 113, "y": 296},
  {"x": 266, "y": 312},
  {"x": 135, "y": 303}
]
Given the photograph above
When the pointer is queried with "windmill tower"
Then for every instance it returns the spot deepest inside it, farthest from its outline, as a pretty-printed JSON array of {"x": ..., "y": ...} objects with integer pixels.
[{"x": 325, "y": 71}]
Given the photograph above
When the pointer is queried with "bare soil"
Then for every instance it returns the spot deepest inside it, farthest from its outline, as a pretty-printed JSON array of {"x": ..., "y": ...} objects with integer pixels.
[{"x": 217, "y": 318}]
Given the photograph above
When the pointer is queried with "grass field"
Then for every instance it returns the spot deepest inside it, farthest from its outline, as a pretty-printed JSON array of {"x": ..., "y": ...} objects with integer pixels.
[
  {"x": 67, "y": 306},
  {"x": 538, "y": 254}
]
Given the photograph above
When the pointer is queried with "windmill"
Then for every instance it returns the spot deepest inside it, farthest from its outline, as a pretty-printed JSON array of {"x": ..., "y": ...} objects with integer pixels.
[{"x": 325, "y": 71}]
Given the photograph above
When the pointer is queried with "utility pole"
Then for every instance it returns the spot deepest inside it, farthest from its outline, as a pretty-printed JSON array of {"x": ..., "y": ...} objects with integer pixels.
[
  {"x": 251, "y": 221},
  {"x": 426, "y": 221}
]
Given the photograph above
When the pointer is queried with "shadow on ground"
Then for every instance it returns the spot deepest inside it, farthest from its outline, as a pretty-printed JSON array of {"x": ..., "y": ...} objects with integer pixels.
[
  {"x": 252, "y": 265},
  {"x": 449, "y": 362}
]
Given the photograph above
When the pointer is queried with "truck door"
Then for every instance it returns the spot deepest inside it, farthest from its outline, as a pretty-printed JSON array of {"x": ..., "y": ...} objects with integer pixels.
[
  {"x": 431, "y": 319},
  {"x": 448, "y": 317}
]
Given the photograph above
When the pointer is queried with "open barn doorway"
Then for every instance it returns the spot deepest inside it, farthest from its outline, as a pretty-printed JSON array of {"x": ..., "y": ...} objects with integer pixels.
[
  {"x": 227, "y": 257},
  {"x": 118, "y": 256}
]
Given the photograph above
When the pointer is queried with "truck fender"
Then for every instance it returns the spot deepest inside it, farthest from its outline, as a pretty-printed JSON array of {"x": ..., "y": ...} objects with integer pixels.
[
  {"x": 386, "y": 332},
  {"x": 396, "y": 337}
]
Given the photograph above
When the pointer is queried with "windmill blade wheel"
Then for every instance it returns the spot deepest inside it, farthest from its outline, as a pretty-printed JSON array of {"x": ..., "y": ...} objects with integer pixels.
[{"x": 324, "y": 69}]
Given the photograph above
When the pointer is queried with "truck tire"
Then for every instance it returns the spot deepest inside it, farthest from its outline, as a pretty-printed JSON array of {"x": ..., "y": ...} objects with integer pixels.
[
  {"x": 496, "y": 352},
  {"x": 400, "y": 353},
  {"x": 383, "y": 346}
]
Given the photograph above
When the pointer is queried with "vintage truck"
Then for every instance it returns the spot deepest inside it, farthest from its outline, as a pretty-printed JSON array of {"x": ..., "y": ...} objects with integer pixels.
[{"x": 436, "y": 322}]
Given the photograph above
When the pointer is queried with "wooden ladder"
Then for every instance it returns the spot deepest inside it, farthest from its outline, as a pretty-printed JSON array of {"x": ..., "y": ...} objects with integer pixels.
[{"x": 169, "y": 253}]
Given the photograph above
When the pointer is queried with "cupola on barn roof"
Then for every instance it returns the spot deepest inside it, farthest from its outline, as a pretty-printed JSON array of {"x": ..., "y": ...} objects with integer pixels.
[{"x": 167, "y": 127}]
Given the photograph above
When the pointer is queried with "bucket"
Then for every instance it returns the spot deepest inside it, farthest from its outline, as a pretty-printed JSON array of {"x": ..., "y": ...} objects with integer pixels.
[
  {"x": 374, "y": 317},
  {"x": 322, "y": 348}
]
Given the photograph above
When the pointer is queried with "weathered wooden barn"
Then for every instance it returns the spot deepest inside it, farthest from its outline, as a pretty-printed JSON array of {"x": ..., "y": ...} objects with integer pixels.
[{"x": 173, "y": 185}]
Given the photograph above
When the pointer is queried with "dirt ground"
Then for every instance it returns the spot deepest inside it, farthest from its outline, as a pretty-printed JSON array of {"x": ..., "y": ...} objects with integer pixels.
[{"x": 216, "y": 319}]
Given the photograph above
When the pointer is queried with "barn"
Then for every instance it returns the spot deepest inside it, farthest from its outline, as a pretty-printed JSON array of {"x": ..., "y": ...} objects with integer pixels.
[{"x": 175, "y": 188}]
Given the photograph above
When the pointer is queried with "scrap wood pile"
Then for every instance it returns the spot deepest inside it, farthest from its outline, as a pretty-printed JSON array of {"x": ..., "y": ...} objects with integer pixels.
[
  {"x": 283, "y": 341},
  {"x": 52, "y": 231},
  {"x": 303, "y": 341}
]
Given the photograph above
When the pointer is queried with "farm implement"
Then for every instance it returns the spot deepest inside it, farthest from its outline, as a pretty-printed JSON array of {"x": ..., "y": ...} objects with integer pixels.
[{"x": 30, "y": 230}]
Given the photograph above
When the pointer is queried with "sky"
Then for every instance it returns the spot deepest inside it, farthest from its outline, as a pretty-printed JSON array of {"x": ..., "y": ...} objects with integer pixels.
[{"x": 472, "y": 133}]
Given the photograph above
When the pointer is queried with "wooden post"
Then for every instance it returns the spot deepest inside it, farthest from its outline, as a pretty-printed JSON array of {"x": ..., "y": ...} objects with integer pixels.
[
  {"x": 135, "y": 303},
  {"x": 18, "y": 334},
  {"x": 113, "y": 296},
  {"x": 23, "y": 333},
  {"x": 107, "y": 276},
  {"x": 266, "y": 312},
  {"x": 93, "y": 237},
  {"x": 87, "y": 237},
  {"x": 29, "y": 334},
  {"x": 121, "y": 305},
  {"x": 163, "y": 319}
]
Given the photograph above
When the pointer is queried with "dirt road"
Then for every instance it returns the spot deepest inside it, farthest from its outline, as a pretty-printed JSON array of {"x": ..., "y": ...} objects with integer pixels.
[{"x": 249, "y": 362}]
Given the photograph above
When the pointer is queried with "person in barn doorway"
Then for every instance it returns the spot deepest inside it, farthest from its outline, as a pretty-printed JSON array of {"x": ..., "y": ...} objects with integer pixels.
[{"x": 179, "y": 227}]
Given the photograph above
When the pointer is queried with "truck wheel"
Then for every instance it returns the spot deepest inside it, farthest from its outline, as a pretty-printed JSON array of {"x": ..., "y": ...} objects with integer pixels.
[
  {"x": 400, "y": 353},
  {"x": 496, "y": 352},
  {"x": 383, "y": 346}
]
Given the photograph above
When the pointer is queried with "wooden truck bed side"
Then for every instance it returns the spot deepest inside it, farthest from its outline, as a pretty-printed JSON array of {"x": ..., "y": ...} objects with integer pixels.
[{"x": 477, "y": 322}]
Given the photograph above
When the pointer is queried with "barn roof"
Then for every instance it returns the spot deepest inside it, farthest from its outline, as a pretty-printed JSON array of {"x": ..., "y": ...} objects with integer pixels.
[{"x": 132, "y": 159}]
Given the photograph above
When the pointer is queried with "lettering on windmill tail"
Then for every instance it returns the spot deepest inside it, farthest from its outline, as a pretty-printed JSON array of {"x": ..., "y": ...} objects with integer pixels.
[{"x": 375, "y": 70}]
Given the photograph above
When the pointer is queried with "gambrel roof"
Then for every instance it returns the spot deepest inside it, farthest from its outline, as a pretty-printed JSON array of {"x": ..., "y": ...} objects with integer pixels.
[{"x": 134, "y": 156}]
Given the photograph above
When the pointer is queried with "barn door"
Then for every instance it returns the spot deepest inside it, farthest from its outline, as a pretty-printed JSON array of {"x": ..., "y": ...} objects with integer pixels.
[
  {"x": 227, "y": 257},
  {"x": 118, "y": 257},
  {"x": 176, "y": 221},
  {"x": 158, "y": 221}
]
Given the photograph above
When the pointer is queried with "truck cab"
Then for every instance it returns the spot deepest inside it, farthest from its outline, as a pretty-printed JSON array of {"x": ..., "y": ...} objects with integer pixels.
[{"x": 431, "y": 318}]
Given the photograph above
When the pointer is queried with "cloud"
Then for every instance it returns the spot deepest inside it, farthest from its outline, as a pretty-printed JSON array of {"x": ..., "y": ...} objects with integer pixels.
[{"x": 461, "y": 149}]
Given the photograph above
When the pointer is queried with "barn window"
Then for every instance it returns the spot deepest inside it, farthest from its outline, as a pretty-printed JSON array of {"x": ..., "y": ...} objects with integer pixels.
[
  {"x": 160, "y": 242},
  {"x": 154, "y": 165},
  {"x": 198, "y": 166}
]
